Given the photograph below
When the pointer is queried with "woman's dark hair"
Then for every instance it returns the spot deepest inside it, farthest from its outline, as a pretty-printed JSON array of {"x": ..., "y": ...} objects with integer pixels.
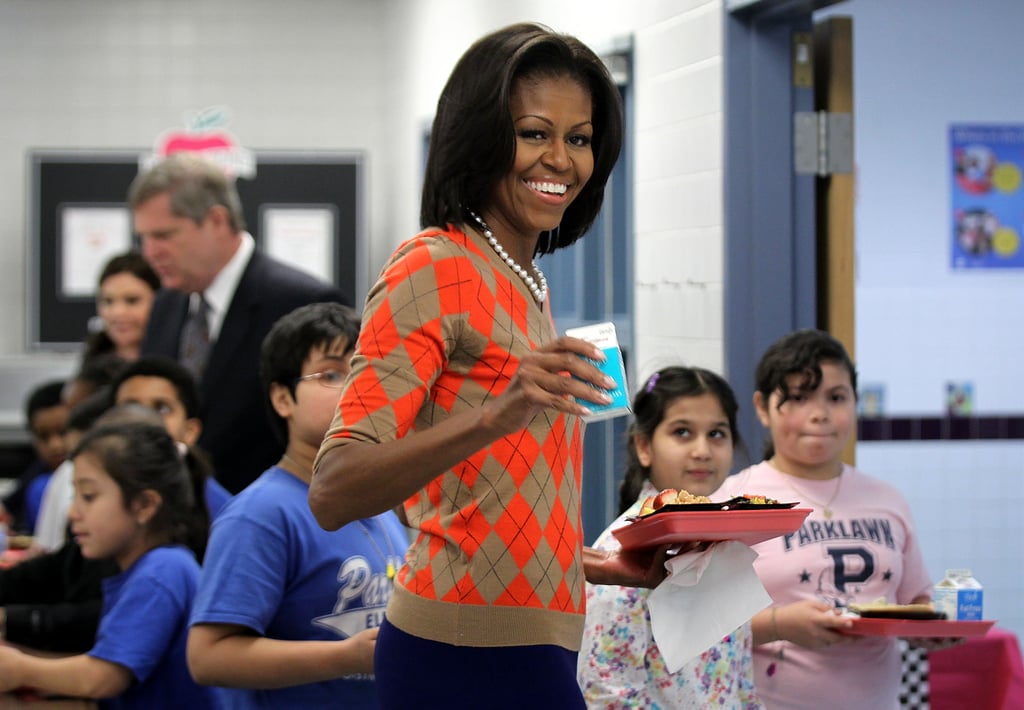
[
  {"x": 139, "y": 455},
  {"x": 649, "y": 406},
  {"x": 133, "y": 263},
  {"x": 472, "y": 142},
  {"x": 798, "y": 353}
]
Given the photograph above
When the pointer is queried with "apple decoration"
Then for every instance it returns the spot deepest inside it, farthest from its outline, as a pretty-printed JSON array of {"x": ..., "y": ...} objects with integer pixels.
[{"x": 205, "y": 132}]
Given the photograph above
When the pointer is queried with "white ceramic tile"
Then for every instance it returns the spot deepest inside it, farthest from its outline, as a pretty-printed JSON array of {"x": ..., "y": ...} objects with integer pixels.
[{"x": 684, "y": 40}]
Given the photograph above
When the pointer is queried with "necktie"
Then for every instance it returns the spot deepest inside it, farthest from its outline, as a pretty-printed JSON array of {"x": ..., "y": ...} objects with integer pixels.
[{"x": 195, "y": 339}]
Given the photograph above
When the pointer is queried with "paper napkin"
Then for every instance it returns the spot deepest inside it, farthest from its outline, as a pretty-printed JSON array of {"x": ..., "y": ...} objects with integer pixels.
[{"x": 706, "y": 596}]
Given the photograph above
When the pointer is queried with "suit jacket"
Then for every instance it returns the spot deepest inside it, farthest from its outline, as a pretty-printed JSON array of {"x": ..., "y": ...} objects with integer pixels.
[{"x": 236, "y": 429}]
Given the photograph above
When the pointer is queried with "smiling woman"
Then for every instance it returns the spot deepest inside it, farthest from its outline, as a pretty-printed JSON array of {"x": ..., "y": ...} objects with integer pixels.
[
  {"x": 127, "y": 286},
  {"x": 458, "y": 408}
]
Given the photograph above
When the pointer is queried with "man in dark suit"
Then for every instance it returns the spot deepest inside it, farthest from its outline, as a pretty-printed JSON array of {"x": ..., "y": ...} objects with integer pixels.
[{"x": 220, "y": 297}]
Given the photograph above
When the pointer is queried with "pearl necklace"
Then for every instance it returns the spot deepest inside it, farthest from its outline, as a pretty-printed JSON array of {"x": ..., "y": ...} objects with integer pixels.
[{"x": 539, "y": 290}]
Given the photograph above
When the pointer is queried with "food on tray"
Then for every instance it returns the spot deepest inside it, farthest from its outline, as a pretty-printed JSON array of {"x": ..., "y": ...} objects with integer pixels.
[
  {"x": 670, "y": 496},
  {"x": 682, "y": 500},
  {"x": 881, "y": 609},
  {"x": 19, "y": 542},
  {"x": 756, "y": 499}
]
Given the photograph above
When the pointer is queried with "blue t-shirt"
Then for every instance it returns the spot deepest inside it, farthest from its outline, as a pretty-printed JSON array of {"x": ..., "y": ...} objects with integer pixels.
[
  {"x": 217, "y": 497},
  {"x": 144, "y": 628},
  {"x": 270, "y": 567}
]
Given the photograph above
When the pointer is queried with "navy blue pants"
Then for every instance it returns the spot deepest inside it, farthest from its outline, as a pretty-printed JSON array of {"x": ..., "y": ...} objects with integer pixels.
[{"x": 413, "y": 672}]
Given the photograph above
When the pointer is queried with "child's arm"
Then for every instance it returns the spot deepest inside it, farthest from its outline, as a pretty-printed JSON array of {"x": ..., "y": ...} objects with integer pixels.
[
  {"x": 79, "y": 676},
  {"x": 232, "y": 656},
  {"x": 807, "y": 623}
]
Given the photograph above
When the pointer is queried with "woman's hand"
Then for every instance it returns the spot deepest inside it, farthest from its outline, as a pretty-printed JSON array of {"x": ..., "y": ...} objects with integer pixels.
[
  {"x": 554, "y": 376},
  {"x": 630, "y": 568},
  {"x": 811, "y": 624},
  {"x": 355, "y": 480}
]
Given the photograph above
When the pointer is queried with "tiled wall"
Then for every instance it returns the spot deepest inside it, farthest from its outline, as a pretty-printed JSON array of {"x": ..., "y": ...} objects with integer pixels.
[
  {"x": 678, "y": 189},
  {"x": 979, "y": 428},
  {"x": 967, "y": 498},
  {"x": 301, "y": 75}
]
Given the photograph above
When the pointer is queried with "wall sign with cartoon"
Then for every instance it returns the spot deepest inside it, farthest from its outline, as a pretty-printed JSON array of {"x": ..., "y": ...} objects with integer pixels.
[{"x": 988, "y": 202}]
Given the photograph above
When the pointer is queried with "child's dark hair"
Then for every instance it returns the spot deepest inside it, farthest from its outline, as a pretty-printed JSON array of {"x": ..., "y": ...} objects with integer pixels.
[
  {"x": 139, "y": 455},
  {"x": 165, "y": 368},
  {"x": 44, "y": 396},
  {"x": 649, "y": 405},
  {"x": 290, "y": 341},
  {"x": 84, "y": 414},
  {"x": 798, "y": 353},
  {"x": 100, "y": 370}
]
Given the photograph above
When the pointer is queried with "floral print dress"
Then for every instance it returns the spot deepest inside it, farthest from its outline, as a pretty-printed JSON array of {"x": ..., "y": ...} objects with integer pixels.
[{"x": 620, "y": 665}]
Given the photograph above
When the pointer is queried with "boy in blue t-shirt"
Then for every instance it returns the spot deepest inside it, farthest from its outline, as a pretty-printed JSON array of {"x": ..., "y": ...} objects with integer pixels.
[
  {"x": 287, "y": 613},
  {"x": 46, "y": 414},
  {"x": 169, "y": 389}
]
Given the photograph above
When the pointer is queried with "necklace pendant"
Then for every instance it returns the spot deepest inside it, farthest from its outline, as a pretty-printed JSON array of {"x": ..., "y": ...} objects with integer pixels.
[
  {"x": 827, "y": 513},
  {"x": 390, "y": 570}
]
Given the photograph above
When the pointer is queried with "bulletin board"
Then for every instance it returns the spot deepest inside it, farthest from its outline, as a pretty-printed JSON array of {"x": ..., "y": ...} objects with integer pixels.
[{"x": 303, "y": 208}]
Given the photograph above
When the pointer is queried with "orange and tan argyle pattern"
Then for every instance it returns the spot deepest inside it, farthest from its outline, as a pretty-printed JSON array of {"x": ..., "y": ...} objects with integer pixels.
[{"x": 443, "y": 330}]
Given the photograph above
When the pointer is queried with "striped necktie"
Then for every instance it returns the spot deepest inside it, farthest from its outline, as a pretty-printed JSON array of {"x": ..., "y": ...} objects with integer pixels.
[{"x": 195, "y": 339}]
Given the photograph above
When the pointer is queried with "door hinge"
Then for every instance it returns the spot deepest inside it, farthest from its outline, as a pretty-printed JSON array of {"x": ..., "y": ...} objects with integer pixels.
[{"x": 822, "y": 143}]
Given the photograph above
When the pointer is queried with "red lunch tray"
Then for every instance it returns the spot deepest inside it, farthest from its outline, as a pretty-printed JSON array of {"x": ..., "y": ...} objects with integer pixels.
[
  {"x": 747, "y": 526},
  {"x": 919, "y": 628}
]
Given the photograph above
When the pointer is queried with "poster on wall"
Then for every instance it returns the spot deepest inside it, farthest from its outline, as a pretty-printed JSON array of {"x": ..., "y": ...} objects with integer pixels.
[{"x": 988, "y": 201}]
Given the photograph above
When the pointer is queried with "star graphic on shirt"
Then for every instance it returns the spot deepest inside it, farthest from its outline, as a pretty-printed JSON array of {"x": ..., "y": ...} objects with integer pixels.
[
  {"x": 805, "y": 576},
  {"x": 888, "y": 575}
]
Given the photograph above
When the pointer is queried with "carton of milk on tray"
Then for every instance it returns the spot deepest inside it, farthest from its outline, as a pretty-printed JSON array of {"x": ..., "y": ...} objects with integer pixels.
[
  {"x": 603, "y": 336},
  {"x": 959, "y": 595}
]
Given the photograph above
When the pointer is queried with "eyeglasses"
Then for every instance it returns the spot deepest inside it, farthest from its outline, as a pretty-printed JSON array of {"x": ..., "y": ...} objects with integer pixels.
[{"x": 332, "y": 379}]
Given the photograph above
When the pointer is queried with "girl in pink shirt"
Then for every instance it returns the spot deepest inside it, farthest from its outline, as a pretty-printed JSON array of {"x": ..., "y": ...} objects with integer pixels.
[{"x": 856, "y": 546}]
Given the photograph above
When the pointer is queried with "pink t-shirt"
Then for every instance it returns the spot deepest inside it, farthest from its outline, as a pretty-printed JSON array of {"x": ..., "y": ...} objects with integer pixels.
[{"x": 865, "y": 551}]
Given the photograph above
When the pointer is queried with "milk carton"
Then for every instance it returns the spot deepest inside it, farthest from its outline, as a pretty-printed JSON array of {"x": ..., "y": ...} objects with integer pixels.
[
  {"x": 959, "y": 595},
  {"x": 603, "y": 336}
]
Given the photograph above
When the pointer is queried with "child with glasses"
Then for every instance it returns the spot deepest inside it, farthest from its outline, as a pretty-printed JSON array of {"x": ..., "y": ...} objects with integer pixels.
[{"x": 286, "y": 612}]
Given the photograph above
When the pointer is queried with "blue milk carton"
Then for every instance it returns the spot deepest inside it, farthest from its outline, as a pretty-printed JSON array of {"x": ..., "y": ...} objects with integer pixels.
[
  {"x": 959, "y": 595},
  {"x": 603, "y": 336}
]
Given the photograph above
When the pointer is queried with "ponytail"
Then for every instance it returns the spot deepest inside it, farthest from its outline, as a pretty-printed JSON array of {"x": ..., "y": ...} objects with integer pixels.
[{"x": 197, "y": 521}]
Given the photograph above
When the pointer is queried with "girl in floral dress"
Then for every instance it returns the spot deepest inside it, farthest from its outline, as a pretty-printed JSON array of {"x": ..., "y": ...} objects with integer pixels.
[{"x": 683, "y": 436}]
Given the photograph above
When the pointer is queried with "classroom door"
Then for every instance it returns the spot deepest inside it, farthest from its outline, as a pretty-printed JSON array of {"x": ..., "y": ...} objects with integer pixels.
[{"x": 834, "y": 191}]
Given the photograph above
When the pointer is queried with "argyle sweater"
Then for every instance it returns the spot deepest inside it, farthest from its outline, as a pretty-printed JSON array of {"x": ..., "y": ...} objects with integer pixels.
[{"x": 497, "y": 560}]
